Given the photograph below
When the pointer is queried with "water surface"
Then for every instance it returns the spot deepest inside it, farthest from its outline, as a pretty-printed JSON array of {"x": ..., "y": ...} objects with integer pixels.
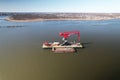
[{"x": 22, "y": 58}]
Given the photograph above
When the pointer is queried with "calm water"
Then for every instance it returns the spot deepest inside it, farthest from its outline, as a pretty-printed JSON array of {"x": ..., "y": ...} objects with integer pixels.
[{"x": 22, "y": 58}]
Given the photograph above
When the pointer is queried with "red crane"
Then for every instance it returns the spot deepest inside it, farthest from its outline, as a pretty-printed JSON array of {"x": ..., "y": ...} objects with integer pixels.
[{"x": 67, "y": 34}]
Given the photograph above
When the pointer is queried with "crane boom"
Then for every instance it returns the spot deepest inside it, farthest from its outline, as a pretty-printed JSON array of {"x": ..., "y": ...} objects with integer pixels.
[{"x": 67, "y": 34}]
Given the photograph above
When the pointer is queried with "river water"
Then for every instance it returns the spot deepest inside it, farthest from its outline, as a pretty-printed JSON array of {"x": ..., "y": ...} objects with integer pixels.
[{"x": 22, "y": 56}]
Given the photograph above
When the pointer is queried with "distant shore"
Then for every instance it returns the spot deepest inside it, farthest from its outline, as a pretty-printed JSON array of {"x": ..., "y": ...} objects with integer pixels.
[
  {"x": 32, "y": 20},
  {"x": 62, "y": 16}
]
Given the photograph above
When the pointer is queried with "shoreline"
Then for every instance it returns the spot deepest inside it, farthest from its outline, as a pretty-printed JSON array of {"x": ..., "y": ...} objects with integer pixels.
[
  {"x": 28, "y": 20},
  {"x": 31, "y": 17},
  {"x": 39, "y": 19}
]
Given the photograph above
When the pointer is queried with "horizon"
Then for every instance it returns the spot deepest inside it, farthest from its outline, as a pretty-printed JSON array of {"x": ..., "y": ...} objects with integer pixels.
[
  {"x": 69, "y": 12},
  {"x": 63, "y": 6}
]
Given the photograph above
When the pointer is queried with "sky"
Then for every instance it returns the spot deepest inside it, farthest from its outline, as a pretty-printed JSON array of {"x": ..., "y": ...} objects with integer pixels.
[{"x": 93, "y": 6}]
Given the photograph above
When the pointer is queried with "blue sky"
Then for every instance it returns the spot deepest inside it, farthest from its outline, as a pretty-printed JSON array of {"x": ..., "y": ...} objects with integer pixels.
[{"x": 107, "y": 6}]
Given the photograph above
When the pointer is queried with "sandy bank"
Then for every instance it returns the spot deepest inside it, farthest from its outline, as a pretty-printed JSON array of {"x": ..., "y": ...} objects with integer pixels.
[
  {"x": 33, "y": 20},
  {"x": 29, "y": 20},
  {"x": 30, "y": 17}
]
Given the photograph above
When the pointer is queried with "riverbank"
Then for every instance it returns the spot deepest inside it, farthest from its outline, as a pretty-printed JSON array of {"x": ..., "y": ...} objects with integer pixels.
[
  {"x": 29, "y": 20},
  {"x": 33, "y": 20},
  {"x": 30, "y": 17}
]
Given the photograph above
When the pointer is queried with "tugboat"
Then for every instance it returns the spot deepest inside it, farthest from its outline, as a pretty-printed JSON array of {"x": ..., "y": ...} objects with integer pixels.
[{"x": 66, "y": 46}]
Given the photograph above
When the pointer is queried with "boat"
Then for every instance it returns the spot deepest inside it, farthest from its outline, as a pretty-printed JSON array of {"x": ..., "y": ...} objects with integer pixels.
[{"x": 66, "y": 46}]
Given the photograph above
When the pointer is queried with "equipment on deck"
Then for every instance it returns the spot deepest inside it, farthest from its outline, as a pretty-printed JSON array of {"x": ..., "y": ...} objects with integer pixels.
[{"x": 67, "y": 34}]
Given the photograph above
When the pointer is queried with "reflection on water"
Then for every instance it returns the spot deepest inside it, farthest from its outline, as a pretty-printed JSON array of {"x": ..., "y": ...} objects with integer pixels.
[
  {"x": 10, "y": 26},
  {"x": 22, "y": 58}
]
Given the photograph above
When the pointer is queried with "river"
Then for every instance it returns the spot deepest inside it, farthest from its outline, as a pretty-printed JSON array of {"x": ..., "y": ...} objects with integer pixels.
[{"x": 22, "y": 56}]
